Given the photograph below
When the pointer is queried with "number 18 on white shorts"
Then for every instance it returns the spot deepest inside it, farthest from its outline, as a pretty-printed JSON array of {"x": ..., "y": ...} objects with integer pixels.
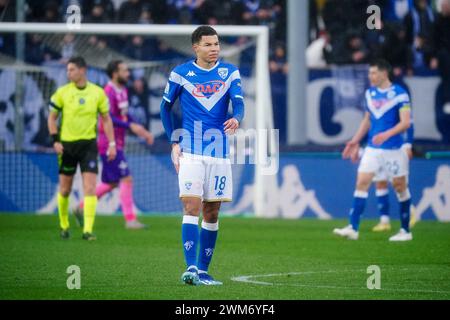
[{"x": 207, "y": 178}]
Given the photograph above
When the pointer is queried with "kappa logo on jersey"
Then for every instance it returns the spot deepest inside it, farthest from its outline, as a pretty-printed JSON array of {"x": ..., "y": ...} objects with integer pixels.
[
  {"x": 190, "y": 74},
  {"x": 223, "y": 72},
  {"x": 208, "y": 89}
]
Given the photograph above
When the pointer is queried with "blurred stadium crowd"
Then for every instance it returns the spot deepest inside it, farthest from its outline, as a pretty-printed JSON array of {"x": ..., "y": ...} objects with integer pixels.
[{"x": 414, "y": 35}]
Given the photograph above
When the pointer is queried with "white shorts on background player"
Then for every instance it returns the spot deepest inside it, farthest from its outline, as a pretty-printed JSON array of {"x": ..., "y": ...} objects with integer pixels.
[
  {"x": 384, "y": 163},
  {"x": 205, "y": 177}
]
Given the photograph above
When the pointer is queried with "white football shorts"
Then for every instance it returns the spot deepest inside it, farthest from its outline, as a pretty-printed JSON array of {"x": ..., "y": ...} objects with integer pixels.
[
  {"x": 385, "y": 164},
  {"x": 204, "y": 177}
]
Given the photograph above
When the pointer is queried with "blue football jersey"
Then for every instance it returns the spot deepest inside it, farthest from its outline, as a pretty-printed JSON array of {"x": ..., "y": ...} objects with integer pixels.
[
  {"x": 205, "y": 97},
  {"x": 384, "y": 107}
]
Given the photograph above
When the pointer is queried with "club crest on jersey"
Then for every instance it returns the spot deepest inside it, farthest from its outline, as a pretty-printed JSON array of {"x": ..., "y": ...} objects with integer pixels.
[
  {"x": 391, "y": 95},
  {"x": 207, "y": 89},
  {"x": 223, "y": 72},
  {"x": 188, "y": 185}
]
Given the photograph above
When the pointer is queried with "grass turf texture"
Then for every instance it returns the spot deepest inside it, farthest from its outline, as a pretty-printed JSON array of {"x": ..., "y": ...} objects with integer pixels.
[{"x": 147, "y": 264}]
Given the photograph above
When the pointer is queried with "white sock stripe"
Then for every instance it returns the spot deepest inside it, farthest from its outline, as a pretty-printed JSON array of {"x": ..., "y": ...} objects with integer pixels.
[
  {"x": 190, "y": 220},
  {"x": 361, "y": 194},
  {"x": 210, "y": 226},
  {"x": 405, "y": 195},
  {"x": 381, "y": 192}
]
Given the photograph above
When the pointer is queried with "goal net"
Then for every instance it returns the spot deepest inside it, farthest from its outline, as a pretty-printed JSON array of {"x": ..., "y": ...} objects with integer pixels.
[{"x": 27, "y": 163}]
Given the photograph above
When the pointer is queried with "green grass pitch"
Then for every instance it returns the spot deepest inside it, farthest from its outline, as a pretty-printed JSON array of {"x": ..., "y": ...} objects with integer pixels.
[{"x": 273, "y": 259}]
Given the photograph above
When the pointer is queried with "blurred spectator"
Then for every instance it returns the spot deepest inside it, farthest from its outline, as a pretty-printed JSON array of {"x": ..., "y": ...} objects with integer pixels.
[
  {"x": 396, "y": 50},
  {"x": 443, "y": 53},
  {"x": 317, "y": 51},
  {"x": 37, "y": 51},
  {"x": 106, "y": 8},
  {"x": 355, "y": 51},
  {"x": 396, "y": 10},
  {"x": 130, "y": 11},
  {"x": 139, "y": 107},
  {"x": 8, "y": 14},
  {"x": 442, "y": 41},
  {"x": 140, "y": 48},
  {"x": 165, "y": 52},
  {"x": 342, "y": 16},
  {"x": 183, "y": 11},
  {"x": 375, "y": 39},
  {"x": 146, "y": 16},
  {"x": 278, "y": 60},
  {"x": 67, "y": 48},
  {"x": 51, "y": 12},
  {"x": 420, "y": 35},
  {"x": 259, "y": 12},
  {"x": 7, "y": 11},
  {"x": 98, "y": 14}
]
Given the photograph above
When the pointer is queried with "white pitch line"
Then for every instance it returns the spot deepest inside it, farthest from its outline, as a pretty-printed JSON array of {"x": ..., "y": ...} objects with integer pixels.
[{"x": 248, "y": 279}]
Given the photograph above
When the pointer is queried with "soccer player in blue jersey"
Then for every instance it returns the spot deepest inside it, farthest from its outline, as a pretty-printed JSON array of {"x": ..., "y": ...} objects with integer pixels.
[
  {"x": 205, "y": 86},
  {"x": 387, "y": 116}
]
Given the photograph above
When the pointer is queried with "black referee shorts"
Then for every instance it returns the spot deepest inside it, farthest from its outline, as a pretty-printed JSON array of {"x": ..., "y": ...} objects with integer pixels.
[{"x": 83, "y": 152}]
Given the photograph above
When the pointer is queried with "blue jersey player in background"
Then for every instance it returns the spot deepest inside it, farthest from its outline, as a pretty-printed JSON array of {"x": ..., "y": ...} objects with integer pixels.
[
  {"x": 204, "y": 86},
  {"x": 387, "y": 117}
]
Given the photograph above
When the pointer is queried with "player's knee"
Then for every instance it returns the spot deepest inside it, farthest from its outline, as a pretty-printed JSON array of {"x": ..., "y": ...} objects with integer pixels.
[
  {"x": 89, "y": 190},
  {"x": 399, "y": 186},
  {"x": 381, "y": 185},
  {"x": 65, "y": 192},
  {"x": 211, "y": 212},
  {"x": 191, "y": 207},
  {"x": 127, "y": 180}
]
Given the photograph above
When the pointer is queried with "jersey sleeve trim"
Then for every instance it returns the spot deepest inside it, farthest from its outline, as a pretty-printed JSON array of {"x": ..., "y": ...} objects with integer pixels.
[{"x": 54, "y": 107}]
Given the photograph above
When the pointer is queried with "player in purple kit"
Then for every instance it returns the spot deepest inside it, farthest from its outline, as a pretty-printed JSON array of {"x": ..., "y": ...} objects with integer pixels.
[{"x": 116, "y": 173}]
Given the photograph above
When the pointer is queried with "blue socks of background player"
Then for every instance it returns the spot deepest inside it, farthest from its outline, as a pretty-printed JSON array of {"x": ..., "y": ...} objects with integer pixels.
[
  {"x": 383, "y": 203},
  {"x": 189, "y": 235},
  {"x": 208, "y": 236},
  {"x": 404, "y": 199},
  {"x": 359, "y": 202}
]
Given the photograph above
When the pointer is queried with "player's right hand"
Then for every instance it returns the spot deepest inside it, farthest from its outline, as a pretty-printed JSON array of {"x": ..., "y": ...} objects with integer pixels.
[
  {"x": 176, "y": 155},
  {"x": 58, "y": 147}
]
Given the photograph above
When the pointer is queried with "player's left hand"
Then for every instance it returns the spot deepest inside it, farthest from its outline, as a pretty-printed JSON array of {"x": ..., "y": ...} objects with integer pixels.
[
  {"x": 380, "y": 138},
  {"x": 230, "y": 126},
  {"x": 111, "y": 153}
]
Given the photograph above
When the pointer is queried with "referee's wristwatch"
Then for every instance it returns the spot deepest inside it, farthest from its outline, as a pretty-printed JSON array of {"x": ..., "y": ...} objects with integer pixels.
[{"x": 112, "y": 144}]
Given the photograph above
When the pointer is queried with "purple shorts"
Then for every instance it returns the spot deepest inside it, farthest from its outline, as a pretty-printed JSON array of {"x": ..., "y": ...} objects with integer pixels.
[{"x": 114, "y": 170}]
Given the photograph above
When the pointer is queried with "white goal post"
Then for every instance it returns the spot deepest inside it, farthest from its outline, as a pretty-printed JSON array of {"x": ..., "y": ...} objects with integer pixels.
[{"x": 263, "y": 99}]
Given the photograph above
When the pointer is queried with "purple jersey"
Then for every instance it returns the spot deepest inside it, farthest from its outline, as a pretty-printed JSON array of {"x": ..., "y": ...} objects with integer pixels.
[{"x": 118, "y": 109}]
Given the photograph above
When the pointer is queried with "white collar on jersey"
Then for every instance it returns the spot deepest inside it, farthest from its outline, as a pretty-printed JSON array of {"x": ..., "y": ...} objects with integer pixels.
[
  {"x": 207, "y": 70},
  {"x": 391, "y": 87}
]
